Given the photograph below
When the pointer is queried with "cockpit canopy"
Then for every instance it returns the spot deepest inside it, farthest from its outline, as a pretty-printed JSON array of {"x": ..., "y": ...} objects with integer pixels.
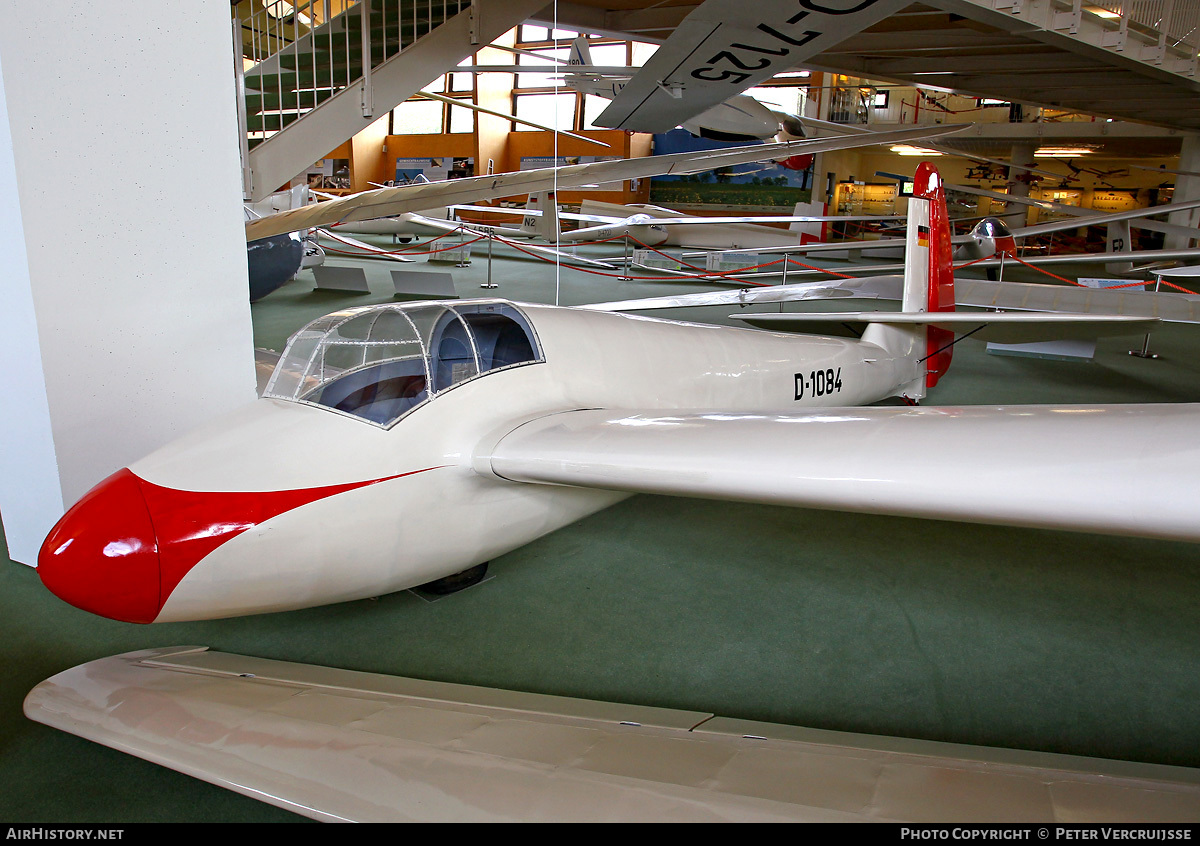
[{"x": 380, "y": 362}]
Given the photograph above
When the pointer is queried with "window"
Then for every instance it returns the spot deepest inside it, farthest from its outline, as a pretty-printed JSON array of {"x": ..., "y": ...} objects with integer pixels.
[
  {"x": 556, "y": 111},
  {"x": 418, "y": 117},
  {"x": 378, "y": 363}
]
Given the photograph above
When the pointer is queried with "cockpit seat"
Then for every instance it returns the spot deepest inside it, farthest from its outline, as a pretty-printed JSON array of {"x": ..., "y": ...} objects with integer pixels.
[
  {"x": 380, "y": 393},
  {"x": 454, "y": 363}
]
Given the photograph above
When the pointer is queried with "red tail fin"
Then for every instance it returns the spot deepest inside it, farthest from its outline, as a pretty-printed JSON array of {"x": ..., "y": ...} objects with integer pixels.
[{"x": 927, "y": 184}]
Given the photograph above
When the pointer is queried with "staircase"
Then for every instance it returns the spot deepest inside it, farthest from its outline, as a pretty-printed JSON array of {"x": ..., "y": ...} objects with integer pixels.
[{"x": 327, "y": 82}]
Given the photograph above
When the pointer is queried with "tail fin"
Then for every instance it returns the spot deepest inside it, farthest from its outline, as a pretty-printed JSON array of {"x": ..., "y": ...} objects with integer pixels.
[
  {"x": 1119, "y": 240},
  {"x": 928, "y": 274},
  {"x": 544, "y": 225},
  {"x": 580, "y": 54}
]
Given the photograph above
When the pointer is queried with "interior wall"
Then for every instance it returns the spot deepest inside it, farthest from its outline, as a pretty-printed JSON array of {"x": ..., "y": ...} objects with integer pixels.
[
  {"x": 368, "y": 161},
  {"x": 538, "y": 143},
  {"x": 494, "y": 91},
  {"x": 136, "y": 324}
]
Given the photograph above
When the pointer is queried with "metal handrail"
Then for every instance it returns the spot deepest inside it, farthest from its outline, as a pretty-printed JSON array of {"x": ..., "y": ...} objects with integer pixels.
[{"x": 1177, "y": 21}]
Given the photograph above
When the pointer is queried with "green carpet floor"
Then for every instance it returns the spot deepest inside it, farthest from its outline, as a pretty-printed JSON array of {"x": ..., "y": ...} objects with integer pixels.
[{"x": 915, "y": 628}]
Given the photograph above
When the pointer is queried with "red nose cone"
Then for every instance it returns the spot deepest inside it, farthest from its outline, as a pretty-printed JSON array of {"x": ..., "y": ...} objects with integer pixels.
[{"x": 102, "y": 555}]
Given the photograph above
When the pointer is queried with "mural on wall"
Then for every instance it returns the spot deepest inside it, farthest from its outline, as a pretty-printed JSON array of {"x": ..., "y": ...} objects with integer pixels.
[
  {"x": 757, "y": 185},
  {"x": 329, "y": 174}
]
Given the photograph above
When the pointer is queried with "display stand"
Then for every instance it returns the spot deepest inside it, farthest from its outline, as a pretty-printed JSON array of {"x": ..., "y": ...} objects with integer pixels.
[
  {"x": 352, "y": 280},
  {"x": 423, "y": 283}
]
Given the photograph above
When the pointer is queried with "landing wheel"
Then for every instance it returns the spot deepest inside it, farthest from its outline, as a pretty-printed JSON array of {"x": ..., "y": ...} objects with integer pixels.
[{"x": 456, "y": 581}]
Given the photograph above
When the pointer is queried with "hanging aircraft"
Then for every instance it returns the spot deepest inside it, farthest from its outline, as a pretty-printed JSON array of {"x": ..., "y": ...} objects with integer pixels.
[
  {"x": 739, "y": 118},
  {"x": 273, "y": 236},
  {"x": 385, "y": 202},
  {"x": 724, "y": 47},
  {"x": 420, "y": 440}
]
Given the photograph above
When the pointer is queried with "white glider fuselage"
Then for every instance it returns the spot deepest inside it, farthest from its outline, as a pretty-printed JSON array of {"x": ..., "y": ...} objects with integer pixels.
[
  {"x": 366, "y": 466},
  {"x": 641, "y": 228},
  {"x": 418, "y": 510}
]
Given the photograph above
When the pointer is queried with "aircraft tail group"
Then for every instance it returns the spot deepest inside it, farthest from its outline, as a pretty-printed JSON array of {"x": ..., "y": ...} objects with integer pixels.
[
  {"x": 928, "y": 270},
  {"x": 928, "y": 286},
  {"x": 545, "y": 224},
  {"x": 580, "y": 54}
]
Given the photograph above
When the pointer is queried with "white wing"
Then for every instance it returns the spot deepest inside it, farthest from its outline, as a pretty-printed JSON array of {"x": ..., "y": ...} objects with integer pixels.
[
  {"x": 338, "y": 745},
  {"x": 1042, "y": 466},
  {"x": 726, "y": 46},
  {"x": 363, "y": 247},
  {"x": 865, "y": 288},
  {"x": 1168, "y": 307},
  {"x": 385, "y": 202}
]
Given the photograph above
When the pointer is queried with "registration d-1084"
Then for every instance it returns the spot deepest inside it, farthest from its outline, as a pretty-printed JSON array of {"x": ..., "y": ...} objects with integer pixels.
[{"x": 819, "y": 383}]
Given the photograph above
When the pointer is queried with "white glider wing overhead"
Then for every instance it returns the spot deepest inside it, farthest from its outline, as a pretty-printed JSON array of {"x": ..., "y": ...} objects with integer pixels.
[
  {"x": 385, "y": 202},
  {"x": 726, "y": 46},
  {"x": 1046, "y": 466}
]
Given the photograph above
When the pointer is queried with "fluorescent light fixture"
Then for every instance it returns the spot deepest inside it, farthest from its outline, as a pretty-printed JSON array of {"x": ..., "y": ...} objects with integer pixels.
[
  {"x": 910, "y": 150},
  {"x": 1102, "y": 13},
  {"x": 1062, "y": 152}
]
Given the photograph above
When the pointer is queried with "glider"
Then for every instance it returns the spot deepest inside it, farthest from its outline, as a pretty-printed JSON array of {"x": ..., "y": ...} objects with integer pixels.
[
  {"x": 275, "y": 251},
  {"x": 385, "y": 202},
  {"x": 724, "y": 47},
  {"x": 406, "y": 444}
]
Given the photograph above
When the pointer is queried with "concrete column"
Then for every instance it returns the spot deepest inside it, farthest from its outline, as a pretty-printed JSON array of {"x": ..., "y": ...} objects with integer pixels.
[
  {"x": 1017, "y": 213},
  {"x": 125, "y": 295},
  {"x": 1186, "y": 188}
]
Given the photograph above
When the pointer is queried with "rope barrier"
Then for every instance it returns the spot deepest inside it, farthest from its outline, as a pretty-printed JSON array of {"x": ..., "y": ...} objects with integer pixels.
[
  {"x": 708, "y": 276},
  {"x": 1107, "y": 287},
  {"x": 702, "y": 274},
  {"x": 409, "y": 251}
]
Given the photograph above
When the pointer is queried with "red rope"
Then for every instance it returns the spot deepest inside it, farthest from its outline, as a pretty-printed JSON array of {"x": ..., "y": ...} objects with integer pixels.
[
  {"x": 408, "y": 251},
  {"x": 713, "y": 276},
  {"x": 1108, "y": 287},
  {"x": 791, "y": 260}
]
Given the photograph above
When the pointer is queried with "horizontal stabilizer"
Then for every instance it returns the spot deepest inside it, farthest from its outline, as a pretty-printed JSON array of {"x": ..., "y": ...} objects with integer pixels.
[
  {"x": 1052, "y": 467},
  {"x": 858, "y": 288},
  {"x": 1001, "y": 327},
  {"x": 1169, "y": 307}
]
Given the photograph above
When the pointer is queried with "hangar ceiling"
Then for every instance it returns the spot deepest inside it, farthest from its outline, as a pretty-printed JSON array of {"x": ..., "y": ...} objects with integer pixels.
[{"x": 1046, "y": 52}]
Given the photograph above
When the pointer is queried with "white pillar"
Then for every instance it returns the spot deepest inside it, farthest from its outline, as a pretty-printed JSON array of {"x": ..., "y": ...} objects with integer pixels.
[
  {"x": 1017, "y": 214},
  {"x": 124, "y": 292},
  {"x": 1186, "y": 188}
]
